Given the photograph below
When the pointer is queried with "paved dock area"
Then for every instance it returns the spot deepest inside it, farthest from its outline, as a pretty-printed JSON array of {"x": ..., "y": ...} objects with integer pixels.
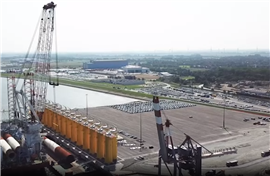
[{"x": 205, "y": 126}]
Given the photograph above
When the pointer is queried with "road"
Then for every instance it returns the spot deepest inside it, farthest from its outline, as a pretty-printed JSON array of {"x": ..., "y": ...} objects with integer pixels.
[
  {"x": 252, "y": 163},
  {"x": 251, "y": 168}
]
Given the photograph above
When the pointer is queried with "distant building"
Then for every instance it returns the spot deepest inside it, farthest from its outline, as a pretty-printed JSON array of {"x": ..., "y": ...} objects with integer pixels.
[
  {"x": 255, "y": 92},
  {"x": 135, "y": 69},
  {"x": 166, "y": 74},
  {"x": 105, "y": 64},
  {"x": 121, "y": 81}
]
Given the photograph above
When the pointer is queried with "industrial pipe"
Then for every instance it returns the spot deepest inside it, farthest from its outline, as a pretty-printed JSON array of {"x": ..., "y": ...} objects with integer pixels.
[
  {"x": 11, "y": 141},
  {"x": 59, "y": 151},
  {"x": 6, "y": 148}
]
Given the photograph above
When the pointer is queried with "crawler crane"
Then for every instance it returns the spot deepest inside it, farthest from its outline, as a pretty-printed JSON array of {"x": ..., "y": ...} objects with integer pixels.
[{"x": 26, "y": 101}]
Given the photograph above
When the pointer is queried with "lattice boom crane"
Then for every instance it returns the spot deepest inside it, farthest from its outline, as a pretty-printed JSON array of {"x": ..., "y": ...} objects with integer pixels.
[{"x": 27, "y": 101}]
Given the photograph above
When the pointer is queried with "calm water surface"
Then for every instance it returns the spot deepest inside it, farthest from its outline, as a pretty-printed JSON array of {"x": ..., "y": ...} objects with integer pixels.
[{"x": 70, "y": 97}]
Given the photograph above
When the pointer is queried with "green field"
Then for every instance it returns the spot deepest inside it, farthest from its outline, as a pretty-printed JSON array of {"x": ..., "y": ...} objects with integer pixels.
[
  {"x": 184, "y": 66},
  {"x": 192, "y": 69},
  {"x": 105, "y": 86},
  {"x": 197, "y": 69},
  {"x": 187, "y": 77}
]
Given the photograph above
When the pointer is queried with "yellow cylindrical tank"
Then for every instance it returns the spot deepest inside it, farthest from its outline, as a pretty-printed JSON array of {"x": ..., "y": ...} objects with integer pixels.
[
  {"x": 68, "y": 125},
  {"x": 79, "y": 130},
  {"x": 45, "y": 117},
  {"x": 86, "y": 139},
  {"x": 47, "y": 114},
  {"x": 101, "y": 144},
  {"x": 63, "y": 124},
  {"x": 43, "y": 120},
  {"x": 108, "y": 149},
  {"x": 114, "y": 148},
  {"x": 93, "y": 140},
  {"x": 58, "y": 121},
  {"x": 80, "y": 134},
  {"x": 51, "y": 118},
  {"x": 74, "y": 127},
  {"x": 54, "y": 117},
  {"x": 49, "y": 122}
]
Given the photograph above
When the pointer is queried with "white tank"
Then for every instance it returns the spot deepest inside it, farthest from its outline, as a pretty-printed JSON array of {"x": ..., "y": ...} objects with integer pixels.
[
  {"x": 50, "y": 144},
  {"x": 6, "y": 148},
  {"x": 11, "y": 141},
  {"x": 4, "y": 145}
]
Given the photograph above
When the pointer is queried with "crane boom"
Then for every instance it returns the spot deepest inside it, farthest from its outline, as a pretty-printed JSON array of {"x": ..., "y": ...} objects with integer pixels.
[
  {"x": 27, "y": 104},
  {"x": 160, "y": 131},
  {"x": 43, "y": 56}
]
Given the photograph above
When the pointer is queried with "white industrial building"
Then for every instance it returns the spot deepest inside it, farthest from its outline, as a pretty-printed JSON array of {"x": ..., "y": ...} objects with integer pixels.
[{"x": 135, "y": 69}]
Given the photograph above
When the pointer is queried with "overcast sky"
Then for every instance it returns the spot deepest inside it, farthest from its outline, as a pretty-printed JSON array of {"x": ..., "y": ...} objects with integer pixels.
[{"x": 140, "y": 25}]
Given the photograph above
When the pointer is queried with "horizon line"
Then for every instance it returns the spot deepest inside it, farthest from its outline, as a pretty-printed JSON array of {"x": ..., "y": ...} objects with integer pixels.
[{"x": 156, "y": 51}]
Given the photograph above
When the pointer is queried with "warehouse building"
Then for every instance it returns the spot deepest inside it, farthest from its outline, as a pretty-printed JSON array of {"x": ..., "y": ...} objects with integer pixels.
[
  {"x": 105, "y": 64},
  {"x": 135, "y": 69}
]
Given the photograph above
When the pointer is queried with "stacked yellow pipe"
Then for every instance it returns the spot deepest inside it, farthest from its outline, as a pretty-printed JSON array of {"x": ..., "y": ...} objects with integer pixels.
[
  {"x": 114, "y": 148},
  {"x": 44, "y": 118},
  {"x": 101, "y": 144},
  {"x": 93, "y": 140},
  {"x": 86, "y": 139},
  {"x": 74, "y": 126},
  {"x": 46, "y": 113},
  {"x": 58, "y": 120},
  {"x": 54, "y": 120},
  {"x": 50, "y": 114},
  {"x": 88, "y": 126},
  {"x": 80, "y": 132},
  {"x": 63, "y": 124},
  {"x": 108, "y": 149},
  {"x": 68, "y": 125}
]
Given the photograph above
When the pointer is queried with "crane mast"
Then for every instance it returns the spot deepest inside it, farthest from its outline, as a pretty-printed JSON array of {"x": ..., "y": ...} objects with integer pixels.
[
  {"x": 184, "y": 156},
  {"x": 43, "y": 57},
  {"x": 27, "y": 101}
]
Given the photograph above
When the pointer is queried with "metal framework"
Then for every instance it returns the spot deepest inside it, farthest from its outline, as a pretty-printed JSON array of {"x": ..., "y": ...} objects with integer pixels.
[
  {"x": 185, "y": 156},
  {"x": 27, "y": 103}
]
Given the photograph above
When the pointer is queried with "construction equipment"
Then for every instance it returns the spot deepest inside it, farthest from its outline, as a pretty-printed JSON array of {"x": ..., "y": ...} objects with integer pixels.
[
  {"x": 26, "y": 102},
  {"x": 265, "y": 153},
  {"x": 185, "y": 156}
]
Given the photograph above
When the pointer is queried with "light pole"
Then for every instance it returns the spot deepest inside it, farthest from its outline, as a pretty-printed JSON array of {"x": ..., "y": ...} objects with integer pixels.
[
  {"x": 87, "y": 105},
  {"x": 224, "y": 112},
  {"x": 140, "y": 131}
]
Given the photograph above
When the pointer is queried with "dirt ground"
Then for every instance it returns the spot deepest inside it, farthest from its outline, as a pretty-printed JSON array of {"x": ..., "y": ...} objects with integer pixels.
[{"x": 147, "y": 76}]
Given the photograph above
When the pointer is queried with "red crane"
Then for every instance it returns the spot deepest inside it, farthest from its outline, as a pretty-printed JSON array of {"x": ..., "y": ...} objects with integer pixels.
[{"x": 27, "y": 101}]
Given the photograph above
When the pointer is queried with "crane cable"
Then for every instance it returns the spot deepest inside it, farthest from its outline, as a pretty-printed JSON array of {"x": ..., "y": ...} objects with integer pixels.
[
  {"x": 27, "y": 54},
  {"x": 56, "y": 54}
]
